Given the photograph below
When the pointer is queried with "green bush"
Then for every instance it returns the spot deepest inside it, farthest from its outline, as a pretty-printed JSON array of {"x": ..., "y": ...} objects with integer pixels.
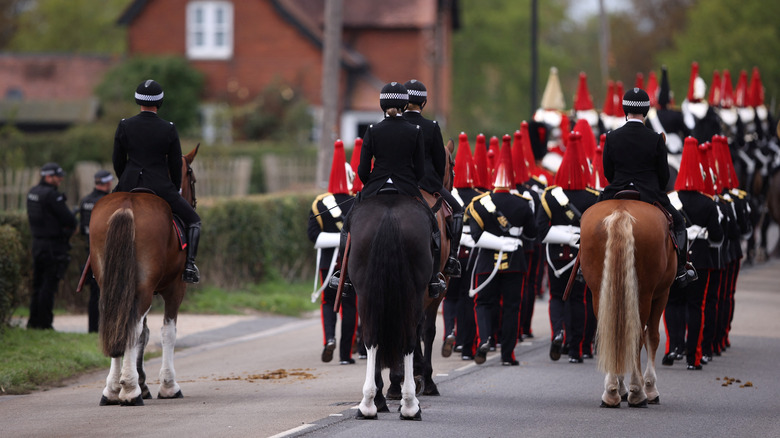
[
  {"x": 11, "y": 256},
  {"x": 93, "y": 142},
  {"x": 258, "y": 238}
]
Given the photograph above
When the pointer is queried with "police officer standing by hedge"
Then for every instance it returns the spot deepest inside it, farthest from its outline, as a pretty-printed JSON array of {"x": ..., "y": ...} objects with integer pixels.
[
  {"x": 103, "y": 180},
  {"x": 51, "y": 224}
]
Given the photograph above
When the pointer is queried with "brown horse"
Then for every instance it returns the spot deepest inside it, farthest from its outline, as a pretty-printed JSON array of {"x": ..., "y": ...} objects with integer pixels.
[
  {"x": 135, "y": 253},
  {"x": 628, "y": 261},
  {"x": 423, "y": 368}
]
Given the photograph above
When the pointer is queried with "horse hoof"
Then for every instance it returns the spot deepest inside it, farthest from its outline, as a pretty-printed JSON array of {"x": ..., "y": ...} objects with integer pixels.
[
  {"x": 605, "y": 405},
  {"x": 415, "y": 417},
  {"x": 431, "y": 390},
  {"x": 177, "y": 395},
  {"x": 138, "y": 401},
  {"x": 146, "y": 394},
  {"x": 104, "y": 401},
  {"x": 359, "y": 416},
  {"x": 655, "y": 401},
  {"x": 642, "y": 404},
  {"x": 419, "y": 385},
  {"x": 624, "y": 397}
]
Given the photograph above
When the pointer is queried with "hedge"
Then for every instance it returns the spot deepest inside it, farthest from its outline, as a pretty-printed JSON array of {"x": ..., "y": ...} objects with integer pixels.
[
  {"x": 244, "y": 241},
  {"x": 11, "y": 257}
]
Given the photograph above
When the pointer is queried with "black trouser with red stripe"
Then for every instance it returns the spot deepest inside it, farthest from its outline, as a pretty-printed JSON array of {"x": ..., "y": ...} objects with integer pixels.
[{"x": 349, "y": 319}]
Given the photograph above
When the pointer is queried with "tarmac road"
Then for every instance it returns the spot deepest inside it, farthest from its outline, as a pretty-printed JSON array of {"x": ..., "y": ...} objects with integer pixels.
[{"x": 262, "y": 376}]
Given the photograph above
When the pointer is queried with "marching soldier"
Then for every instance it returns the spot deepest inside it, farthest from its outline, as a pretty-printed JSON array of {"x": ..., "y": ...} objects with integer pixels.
[
  {"x": 325, "y": 222},
  {"x": 686, "y": 305},
  {"x": 499, "y": 220},
  {"x": 559, "y": 227},
  {"x": 51, "y": 224},
  {"x": 103, "y": 180}
]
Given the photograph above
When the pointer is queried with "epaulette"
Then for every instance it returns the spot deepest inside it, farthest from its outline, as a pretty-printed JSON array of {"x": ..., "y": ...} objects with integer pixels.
[
  {"x": 473, "y": 212},
  {"x": 523, "y": 197},
  {"x": 315, "y": 210},
  {"x": 593, "y": 191}
]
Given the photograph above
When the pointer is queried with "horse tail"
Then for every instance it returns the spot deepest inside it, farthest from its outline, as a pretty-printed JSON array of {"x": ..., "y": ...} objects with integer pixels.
[
  {"x": 619, "y": 328},
  {"x": 390, "y": 293},
  {"x": 118, "y": 308}
]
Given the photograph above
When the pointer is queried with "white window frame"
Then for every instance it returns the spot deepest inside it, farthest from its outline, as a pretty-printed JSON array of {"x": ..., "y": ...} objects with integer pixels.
[{"x": 202, "y": 35}]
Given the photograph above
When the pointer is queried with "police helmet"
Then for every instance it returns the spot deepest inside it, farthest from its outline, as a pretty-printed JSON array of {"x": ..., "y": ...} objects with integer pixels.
[{"x": 149, "y": 93}]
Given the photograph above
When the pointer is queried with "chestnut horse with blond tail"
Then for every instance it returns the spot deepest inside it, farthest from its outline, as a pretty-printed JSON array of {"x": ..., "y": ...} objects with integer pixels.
[
  {"x": 135, "y": 253},
  {"x": 628, "y": 261}
]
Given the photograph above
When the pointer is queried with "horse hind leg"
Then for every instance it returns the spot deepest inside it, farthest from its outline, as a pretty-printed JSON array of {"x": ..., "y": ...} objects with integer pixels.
[
  {"x": 410, "y": 406},
  {"x": 111, "y": 391},
  {"x": 367, "y": 408},
  {"x": 637, "y": 398},
  {"x": 611, "y": 396},
  {"x": 168, "y": 386},
  {"x": 143, "y": 341},
  {"x": 130, "y": 394}
]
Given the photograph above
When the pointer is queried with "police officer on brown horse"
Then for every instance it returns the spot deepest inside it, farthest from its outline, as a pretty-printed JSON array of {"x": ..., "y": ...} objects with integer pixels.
[
  {"x": 435, "y": 165},
  {"x": 635, "y": 159},
  {"x": 147, "y": 153}
]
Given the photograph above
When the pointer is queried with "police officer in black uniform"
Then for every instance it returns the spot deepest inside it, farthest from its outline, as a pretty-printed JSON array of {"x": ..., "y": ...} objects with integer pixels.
[
  {"x": 397, "y": 150},
  {"x": 499, "y": 221},
  {"x": 326, "y": 219},
  {"x": 435, "y": 165},
  {"x": 51, "y": 223},
  {"x": 103, "y": 180},
  {"x": 147, "y": 153},
  {"x": 559, "y": 226},
  {"x": 635, "y": 159}
]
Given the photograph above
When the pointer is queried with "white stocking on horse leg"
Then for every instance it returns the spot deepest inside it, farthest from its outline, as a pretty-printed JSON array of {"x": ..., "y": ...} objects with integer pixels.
[
  {"x": 410, "y": 406},
  {"x": 367, "y": 408},
  {"x": 650, "y": 378},
  {"x": 636, "y": 389},
  {"x": 111, "y": 391},
  {"x": 168, "y": 386},
  {"x": 611, "y": 396},
  {"x": 131, "y": 391}
]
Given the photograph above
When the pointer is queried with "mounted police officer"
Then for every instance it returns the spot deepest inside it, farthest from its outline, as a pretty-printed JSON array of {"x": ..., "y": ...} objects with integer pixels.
[
  {"x": 326, "y": 219},
  {"x": 103, "y": 180},
  {"x": 392, "y": 161},
  {"x": 635, "y": 159},
  {"x": 51, "y": 224},
  {"x": 559, "y": 227},
  {"x": 147, "y": 153},
  {"x": 499, "y": 222},
  {"x": 435, "y": 165}
]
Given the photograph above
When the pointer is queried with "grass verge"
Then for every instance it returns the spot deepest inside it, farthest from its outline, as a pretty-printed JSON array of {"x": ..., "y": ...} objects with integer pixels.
[{"x": 37, "y": 359}]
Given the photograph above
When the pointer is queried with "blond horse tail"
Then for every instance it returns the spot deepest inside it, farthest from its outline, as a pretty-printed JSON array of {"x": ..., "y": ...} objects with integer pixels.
[{"x": 619, "y": 328}]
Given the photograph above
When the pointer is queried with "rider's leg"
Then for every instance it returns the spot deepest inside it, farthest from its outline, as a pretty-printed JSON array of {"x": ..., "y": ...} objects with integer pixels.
[
  {"x": 685, "y": 270},
  {"x": 452, "y": 269}
]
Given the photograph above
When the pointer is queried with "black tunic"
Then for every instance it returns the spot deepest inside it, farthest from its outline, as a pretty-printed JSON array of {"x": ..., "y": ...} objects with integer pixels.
[{"x": 435, "y": 157}]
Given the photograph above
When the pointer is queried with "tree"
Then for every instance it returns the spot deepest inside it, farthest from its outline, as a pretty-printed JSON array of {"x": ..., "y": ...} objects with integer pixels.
[{"x": 74, "y": 26}]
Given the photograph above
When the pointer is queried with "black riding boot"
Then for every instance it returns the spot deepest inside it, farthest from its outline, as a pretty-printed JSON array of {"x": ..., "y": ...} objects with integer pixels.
[
  {"x": 191, "y": 272},
  {"x": 686, "y": 273},
  {"x": 452, "y": 269},
  {"x": 437, "y": 285},
  {"x": 334, "y": 279}
]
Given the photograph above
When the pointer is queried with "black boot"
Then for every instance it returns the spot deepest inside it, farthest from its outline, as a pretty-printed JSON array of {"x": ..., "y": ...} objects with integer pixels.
[
  {"x": 191, "y": 272},
  {"x": 334, "y": 279},
  {"x": 437, "y": 285},
  {"x": 686, "y": 273},
  {"x": 452, "y": 269}
]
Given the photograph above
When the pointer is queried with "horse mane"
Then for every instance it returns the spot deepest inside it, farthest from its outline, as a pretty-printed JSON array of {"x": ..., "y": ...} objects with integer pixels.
[
  {"x": 618, "y": 312},
  {"x": 118, "y": 307}
]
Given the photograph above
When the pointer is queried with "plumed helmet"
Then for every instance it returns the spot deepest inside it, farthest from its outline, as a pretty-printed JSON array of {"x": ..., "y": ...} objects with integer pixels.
[
  {"x": 418, "y": 94},
  {"x": 636, "y": 101},
  {"x": 393, "y": 95},
  {"x": 149, "y": 93}
]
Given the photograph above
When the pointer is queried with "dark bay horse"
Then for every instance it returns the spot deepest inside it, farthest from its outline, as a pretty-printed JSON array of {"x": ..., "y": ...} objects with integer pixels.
[
  {"x": 135, "y": 253},
  {"x": 628, "y": 261},
  {"x": 390, "y": 264}
]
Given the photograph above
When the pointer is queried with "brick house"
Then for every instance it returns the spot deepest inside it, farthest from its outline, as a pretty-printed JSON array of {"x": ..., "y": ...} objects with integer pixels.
[{"x": 242, "y": 46}]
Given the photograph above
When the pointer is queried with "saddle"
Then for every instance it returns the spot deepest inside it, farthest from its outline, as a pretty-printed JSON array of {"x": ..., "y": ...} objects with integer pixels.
[{"x": 178, "y": 224}]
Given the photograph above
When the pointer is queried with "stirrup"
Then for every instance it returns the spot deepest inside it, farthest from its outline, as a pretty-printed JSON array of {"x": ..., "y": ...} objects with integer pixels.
[
  {"x": 334, "y": 281},
  {"x": 191, "y": 273},
  {"x": 452, "y": 269},
  {"x": 437, "y": 286}
]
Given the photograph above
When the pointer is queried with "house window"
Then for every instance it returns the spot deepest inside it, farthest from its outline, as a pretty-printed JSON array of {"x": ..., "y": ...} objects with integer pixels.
[{"x": 210, "y": 30}]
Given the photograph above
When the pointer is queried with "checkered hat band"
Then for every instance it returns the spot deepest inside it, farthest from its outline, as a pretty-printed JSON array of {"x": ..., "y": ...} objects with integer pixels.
[
  {"x": 385, "y": 96},
  {"x": 418, "y": 93},
  {"x": 105, "y": 179},
  {"x": 149, "y": 98},
  {"x": 49, "y": 172},
  {"x": 638, "y": 103}
]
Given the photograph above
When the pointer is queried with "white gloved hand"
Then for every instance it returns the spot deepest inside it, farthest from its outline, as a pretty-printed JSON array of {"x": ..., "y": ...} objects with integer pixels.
[{"x": 328, "y": 240}]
